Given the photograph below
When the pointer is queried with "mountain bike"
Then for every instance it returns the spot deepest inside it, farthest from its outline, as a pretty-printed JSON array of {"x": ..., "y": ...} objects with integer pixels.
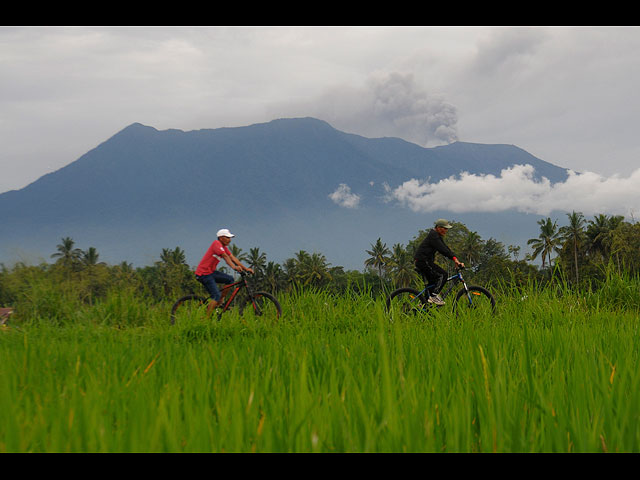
[
  {"x": 262, "y": 303},
  {"x": 470, "y": 297}
]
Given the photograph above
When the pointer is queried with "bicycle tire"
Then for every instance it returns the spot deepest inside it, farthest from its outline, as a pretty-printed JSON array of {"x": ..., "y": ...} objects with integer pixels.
[
  {"x": 407, "y": 299},
  {"x": 479, "y": 298},
  {"x": 263, "y": 303},
  {"x": 182, "y": 302}
]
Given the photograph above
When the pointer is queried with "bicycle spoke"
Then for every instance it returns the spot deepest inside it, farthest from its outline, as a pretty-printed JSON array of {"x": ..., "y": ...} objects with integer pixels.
[
  {"x": 263, "y": 305},
  {"x": 476, "y": 300},
  {"x": 405, "y": 302},
  {"x": 188, "y": 307}
]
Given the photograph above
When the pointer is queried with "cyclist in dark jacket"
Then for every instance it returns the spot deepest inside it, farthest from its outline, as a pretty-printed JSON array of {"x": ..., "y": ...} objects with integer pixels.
[{"x": 424, "y": 259}]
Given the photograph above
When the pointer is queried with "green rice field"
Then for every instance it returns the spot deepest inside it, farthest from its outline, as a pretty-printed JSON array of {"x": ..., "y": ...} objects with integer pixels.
[{"x": 551, "y": 371}]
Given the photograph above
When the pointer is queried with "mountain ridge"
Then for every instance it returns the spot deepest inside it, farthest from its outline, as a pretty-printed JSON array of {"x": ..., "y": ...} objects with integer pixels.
[{"x": 144, "y": 189}]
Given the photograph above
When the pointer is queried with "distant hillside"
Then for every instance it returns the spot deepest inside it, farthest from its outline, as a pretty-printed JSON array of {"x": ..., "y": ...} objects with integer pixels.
[{"x": 143, "y": 190}]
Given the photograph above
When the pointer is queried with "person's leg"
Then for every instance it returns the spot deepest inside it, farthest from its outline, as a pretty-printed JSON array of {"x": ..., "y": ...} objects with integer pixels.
[
  {"x": 425, "y": 273},
  {"x": 211, "y": 286},
  {"x": 432, "y": 275},
  {"x": 438, "y": 277},
  {"x": 225, "y": 279},
  {"x": 429, "y": 275}
]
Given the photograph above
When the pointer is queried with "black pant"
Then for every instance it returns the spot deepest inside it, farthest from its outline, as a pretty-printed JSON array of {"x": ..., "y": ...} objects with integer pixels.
[{"x": 432, "y": 274}]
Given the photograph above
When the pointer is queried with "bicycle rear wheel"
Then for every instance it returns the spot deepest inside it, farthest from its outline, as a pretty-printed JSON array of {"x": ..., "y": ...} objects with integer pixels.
[
  {"x": 263, "y": 304},
  {"x": 405, "y": 301},
  {"x": 187, "y": 306},
  {"x": 476, "y": 299}
]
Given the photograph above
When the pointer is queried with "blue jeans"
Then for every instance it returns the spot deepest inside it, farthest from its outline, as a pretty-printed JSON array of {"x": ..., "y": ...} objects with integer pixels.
[{"x": 210, "y": 283}]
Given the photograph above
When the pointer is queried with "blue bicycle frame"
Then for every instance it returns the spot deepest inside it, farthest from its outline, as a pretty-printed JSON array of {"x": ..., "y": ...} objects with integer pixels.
[{"x": 454, "y": 279}]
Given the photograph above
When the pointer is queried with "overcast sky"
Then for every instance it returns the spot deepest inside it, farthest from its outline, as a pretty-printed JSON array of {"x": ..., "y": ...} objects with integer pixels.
[{"x": 569, "y": 96}]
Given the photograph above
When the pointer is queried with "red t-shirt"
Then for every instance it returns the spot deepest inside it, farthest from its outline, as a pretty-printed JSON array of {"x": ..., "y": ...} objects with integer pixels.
[{"x": 211, "y": 259}]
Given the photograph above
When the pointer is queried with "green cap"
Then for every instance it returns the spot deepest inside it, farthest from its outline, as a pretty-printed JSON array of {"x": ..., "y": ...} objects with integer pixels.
[{"x": 441, "y": 222}]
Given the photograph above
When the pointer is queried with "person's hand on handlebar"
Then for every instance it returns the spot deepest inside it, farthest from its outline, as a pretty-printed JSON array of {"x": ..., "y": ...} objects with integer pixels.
[{"x": 458, "y": 263}]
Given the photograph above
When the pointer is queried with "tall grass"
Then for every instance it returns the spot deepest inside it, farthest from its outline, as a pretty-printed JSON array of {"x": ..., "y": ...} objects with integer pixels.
[{"x": 551, "y": 371}]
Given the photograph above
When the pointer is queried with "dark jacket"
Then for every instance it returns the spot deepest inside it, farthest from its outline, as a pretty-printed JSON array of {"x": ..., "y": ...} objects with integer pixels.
[{"x": 430, "y": 245}]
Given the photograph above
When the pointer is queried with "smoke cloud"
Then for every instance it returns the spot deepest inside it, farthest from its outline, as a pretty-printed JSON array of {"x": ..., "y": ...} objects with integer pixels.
[
  {"x": 516, "y": 189},
  {"x": 398, "y": 105},
  {"x": 387, "y": 105}
]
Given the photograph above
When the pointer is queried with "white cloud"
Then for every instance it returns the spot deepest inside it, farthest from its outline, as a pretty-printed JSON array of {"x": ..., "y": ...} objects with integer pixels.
[
  {"x": 516, "y": 189},
  {"x": 343, "y": 197}
]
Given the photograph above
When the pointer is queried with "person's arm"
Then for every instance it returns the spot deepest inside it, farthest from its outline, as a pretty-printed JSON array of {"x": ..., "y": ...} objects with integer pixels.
[
  {"x": 246, "y": 269},
  {"x": 446, "y": 251},
  {"x": 458, "y": 263},
  {"x": 234, "y": 263}
]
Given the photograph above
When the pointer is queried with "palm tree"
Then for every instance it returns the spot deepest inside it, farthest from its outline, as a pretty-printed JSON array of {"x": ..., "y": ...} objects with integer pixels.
[
  {"x": 257, "y": 260},
  {"x": 68, "y": 255},
  {"x": 401, "y": 266},
  {"x": 314, "y": 270},
  {"x": 124, "y": 270},
  {"x": 302, "y": 256},
  {"x": 574, "y": 233},
  {"x": 237, "y": 252},
  {"x": 173, "y": 257},
  {"x": 273, "y": 276},
  {"x": 600, "y": 233},
  {"x": 470, "y": 248},
  {"x": 90, "y": 257},
  {"x": 379, "y": 256},
  {"x": 625, "y": 245},
  {"x": 597, "y": 232},
  {"x": 293, "y": 266},
  {"x": 547, "y": 241},
  {"x": 125, "y": 267}
]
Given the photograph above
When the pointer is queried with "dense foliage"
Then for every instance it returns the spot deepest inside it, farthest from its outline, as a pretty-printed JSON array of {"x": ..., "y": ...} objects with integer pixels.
[{"x": 580, "y": 254}]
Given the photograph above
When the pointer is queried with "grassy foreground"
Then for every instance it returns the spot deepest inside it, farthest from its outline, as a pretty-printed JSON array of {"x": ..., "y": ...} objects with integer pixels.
[{"x": 550, "y": 372}]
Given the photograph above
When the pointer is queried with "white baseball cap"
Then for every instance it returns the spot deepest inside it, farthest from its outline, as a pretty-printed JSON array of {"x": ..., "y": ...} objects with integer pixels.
[{"x": 224, "y": 233}]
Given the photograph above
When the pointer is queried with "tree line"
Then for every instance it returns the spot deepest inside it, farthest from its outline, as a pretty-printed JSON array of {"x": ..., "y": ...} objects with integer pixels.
[
  {"x": 582, "y": 248},
  {"x": 579, "y": 253}
]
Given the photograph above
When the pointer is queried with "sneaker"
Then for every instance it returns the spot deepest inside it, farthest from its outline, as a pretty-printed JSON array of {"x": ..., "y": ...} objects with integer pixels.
[{"x": 436, "y": 300}]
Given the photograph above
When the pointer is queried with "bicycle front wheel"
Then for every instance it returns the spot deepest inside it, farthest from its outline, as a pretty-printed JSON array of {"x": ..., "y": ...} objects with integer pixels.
[
  {"x": 187, "y": 306},
  {"x": 476, "y": 299},
  {"x": 263, "y": 304},
  {"x": 405, "y": 301}
]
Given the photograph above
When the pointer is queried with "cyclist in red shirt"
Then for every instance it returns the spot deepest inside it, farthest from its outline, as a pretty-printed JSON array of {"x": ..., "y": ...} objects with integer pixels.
[{"x": 206, "y": 272}]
